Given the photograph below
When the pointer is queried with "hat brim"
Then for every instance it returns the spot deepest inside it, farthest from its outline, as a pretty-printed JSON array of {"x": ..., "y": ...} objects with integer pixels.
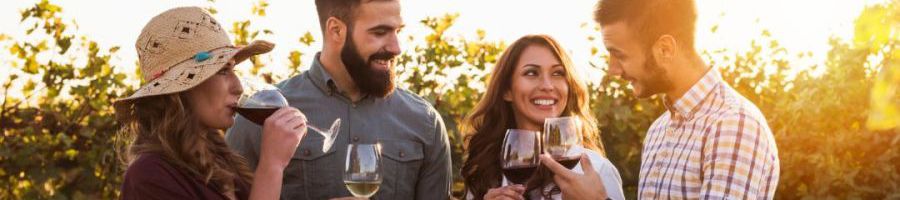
[{"x": 190, "y": 73}]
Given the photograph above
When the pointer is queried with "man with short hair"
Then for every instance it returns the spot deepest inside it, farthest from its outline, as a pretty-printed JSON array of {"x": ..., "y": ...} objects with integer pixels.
[
  {"x": 711, "y": 143},
  {"x": 352, "y": 78}
]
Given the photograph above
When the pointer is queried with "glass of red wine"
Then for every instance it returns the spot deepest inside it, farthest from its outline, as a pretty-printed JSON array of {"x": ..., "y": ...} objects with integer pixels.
[
  {"x": 260, "y": 100},
  {"x": 520, "y": 152},
  {"x": 562, "y": 140}
]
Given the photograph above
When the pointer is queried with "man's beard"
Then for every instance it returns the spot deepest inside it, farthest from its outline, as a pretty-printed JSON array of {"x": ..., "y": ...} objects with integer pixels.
[
  {"x": 369, "y": 80},
  {"x": 656, "y": 82}
]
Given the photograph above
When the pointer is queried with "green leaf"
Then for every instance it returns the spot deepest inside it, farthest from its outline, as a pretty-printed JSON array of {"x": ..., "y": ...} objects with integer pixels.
[
  {"x": 15, "y": 49},
  {"x": 64, "y": 44},
  {"x": 31, "y": 66},
  {"x": 212, "y": 10},
  {"x": 28, "y": 88},
  {"x": 307, "y": 39}
]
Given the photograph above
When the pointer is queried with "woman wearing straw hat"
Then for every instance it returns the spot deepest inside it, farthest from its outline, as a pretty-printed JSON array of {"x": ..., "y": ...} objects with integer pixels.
[{"x": 175, "y": 120}]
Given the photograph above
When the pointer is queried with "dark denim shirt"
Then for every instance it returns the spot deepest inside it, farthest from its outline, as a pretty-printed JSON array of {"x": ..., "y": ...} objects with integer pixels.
[{"x": 415, "y": 148}]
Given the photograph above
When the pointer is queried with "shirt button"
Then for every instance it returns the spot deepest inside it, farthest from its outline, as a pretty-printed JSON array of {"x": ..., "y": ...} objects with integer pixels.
[
  {"x": 355, "y": 138},
  {"x": 402, "y": 154},
  {"x": 306, "y": 152}
]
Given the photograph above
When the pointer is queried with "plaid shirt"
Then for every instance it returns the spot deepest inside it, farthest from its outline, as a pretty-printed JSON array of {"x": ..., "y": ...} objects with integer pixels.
[{"x": 712, "y": 143}]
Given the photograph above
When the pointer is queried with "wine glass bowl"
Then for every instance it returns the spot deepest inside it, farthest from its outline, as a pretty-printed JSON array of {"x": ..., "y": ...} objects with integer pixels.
[
  {"x": 519, "y": 157},
  {"x": 562, "y": 140},
  {"x": 362, "y": 172}
]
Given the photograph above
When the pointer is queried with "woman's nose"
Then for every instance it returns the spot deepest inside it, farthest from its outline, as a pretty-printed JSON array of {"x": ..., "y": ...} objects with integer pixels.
[
  {"x": 236, "y": 87},
  {"x": 546, "y": 84}
]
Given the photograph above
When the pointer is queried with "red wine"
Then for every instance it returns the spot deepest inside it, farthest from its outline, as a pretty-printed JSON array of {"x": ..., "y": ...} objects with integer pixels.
[
  {"x": 256, "y": 115},
  {"x": 519, "y": 174},
  {"x": 568, "y": 162}
]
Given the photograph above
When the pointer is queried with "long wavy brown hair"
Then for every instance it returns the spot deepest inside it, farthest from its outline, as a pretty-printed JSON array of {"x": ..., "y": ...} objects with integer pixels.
[
  {"x": 166, "y": 125},
  {"x": 487, "y": 123}
]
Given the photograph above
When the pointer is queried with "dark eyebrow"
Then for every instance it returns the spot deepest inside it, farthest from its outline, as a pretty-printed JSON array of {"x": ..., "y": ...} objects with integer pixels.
[
  {"x": 386, "y": 27},
  {"x": 531, "y": 65}
]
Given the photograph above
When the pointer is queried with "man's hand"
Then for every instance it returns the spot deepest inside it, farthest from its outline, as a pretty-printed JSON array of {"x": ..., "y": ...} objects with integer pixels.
[{"x": 573, "y": 185}]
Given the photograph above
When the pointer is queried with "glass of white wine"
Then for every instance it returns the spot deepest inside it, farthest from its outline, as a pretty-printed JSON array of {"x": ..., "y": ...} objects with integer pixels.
[{"x": 362, "y": 174}]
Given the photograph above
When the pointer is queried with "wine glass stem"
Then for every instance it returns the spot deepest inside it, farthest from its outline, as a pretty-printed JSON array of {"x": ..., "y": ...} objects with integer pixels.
[{"x": 317, "y": 129}]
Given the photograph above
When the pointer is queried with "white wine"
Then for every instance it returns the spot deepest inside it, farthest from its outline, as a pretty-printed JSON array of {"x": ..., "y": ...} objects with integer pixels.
[{"x": 362, "y": 188}]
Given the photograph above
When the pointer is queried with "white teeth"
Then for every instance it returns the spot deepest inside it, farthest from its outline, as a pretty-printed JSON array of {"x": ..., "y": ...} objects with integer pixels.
[{"x": 544, "y": 102}]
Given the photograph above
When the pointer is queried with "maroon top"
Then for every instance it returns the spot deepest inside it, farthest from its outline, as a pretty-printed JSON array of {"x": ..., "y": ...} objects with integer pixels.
[{"x": 151, "y": 177}]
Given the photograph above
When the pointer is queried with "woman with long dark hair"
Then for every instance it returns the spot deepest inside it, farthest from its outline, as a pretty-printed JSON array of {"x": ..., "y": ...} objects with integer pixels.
[{"x": 533, "y": 80}]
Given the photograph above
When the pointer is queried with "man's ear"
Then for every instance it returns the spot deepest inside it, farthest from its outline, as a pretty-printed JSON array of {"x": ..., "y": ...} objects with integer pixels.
[
  {"x": 664, "y": 49},
  {"x": 335, "y": 30}
]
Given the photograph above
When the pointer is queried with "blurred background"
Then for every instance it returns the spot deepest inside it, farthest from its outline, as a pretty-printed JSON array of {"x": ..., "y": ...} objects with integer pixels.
[{"x": 825, "y": 73}]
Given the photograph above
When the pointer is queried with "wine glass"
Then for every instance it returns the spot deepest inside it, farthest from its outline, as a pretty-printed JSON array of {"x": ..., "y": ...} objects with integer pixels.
[
  {"x": 260, "y": 100},
  {"x": 362, "y": 174},
  {"x": 562, "y": 140},
  {"x": 519, "y": 158}
]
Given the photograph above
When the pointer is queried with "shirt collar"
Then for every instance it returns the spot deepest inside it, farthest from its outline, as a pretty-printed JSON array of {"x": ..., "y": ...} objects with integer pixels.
[
  {"x": 322, "y": 80},
  {"x": 688, "y": 104}
]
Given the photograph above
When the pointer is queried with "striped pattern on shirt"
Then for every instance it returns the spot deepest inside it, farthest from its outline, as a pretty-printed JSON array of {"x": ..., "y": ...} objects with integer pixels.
[{"x": 712, "y": 143}]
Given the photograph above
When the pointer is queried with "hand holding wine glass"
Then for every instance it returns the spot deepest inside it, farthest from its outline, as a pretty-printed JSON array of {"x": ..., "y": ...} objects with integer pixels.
[
  {"x": 506, "y": 192},
  {"x": 282, "y": 133},
  {"x": 260, "y": 100},
  {"x": 573, "y": 185}
]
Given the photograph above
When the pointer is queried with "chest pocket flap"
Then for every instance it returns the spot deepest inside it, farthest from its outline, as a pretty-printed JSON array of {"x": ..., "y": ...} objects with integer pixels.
[{"x": 402, "y": 150}]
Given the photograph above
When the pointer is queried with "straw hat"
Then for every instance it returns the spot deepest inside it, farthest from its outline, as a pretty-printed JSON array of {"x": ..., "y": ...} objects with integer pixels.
[{"x": 182, "y": 47}]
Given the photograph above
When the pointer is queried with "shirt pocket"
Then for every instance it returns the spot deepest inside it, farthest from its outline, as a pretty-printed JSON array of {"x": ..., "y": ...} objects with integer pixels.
[
  {"x": 402, "y": 161},
  {"x": 311, "y": 171}
]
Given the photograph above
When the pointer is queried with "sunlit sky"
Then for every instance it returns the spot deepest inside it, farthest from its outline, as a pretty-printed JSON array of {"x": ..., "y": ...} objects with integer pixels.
[{"x": 799, "y": 25}]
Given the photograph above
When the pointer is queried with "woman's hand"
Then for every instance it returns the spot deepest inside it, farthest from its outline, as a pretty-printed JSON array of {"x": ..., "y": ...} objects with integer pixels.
[
  {"x": 281, "y": 136},
  {"x": 509, "y": 192}
]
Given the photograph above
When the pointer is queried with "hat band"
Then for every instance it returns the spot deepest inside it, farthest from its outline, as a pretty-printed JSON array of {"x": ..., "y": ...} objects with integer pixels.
[{"x": 198, "y": 57}]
